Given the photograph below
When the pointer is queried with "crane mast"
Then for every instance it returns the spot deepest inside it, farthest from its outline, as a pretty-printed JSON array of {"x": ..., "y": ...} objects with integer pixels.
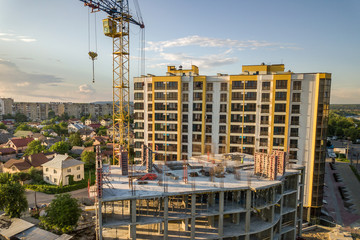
[{"x": 117, "y": 26}]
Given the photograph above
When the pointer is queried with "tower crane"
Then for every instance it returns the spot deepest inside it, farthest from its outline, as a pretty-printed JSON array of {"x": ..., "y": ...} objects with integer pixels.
[{"x": 117, "y": 26}]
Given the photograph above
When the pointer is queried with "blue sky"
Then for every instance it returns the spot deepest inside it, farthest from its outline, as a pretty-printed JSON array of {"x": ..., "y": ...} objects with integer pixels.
[{"x": 44, "y": 43}]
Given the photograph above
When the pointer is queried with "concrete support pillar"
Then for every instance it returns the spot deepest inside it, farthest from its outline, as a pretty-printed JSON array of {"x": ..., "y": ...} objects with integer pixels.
[
  {"x": 221, "y": 215},
  {"x": 248, "y": 212},
  {"x": 166, "y": 211},
  {"x": 132, "y": 226},
  {"x": 185, "y": 224},
  {"x": 272, "y": 219},
  {"x": 160, "y": 228},
  {"x": 211, "y": 202},
  {"x": 99, "y": 213},
  {"x": 236, "y": 218},
  {"x": 301, "y": 199},
  {"x": 281, "y": 206},
  {"x": 193, "y": 213}
]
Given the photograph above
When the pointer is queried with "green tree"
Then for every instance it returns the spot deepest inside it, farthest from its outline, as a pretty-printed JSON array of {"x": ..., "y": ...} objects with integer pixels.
[
  {"x": 88, "y": 143},
  {"x": 60, "y": 129},
  {"x": 19, "y": 117},
  {"x": 62, "y": 214},
  {"x": 34, "y": 147},
  {"x": 83, "y": 118},
  {"x": 89, "y": 159},
  {"x": 2, "y": 126},
  {"x": 25, "y": 127},
  {"x": 61, "y": 147},
  {"x": 101, "y": 131},
  {"x": 12, "y": 196},
  {"x": 75, "y": 139},
  {"x": 8, "y": 116},
  {"x": 51, "y": 114}
]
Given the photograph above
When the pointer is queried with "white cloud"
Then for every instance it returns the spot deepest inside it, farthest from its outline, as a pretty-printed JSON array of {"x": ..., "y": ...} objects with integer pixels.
[
  {"x": 226, "y": 47},
  {"x": 10, "y": 37},
  {"x": 27, "y": 39},
  {"x": 23, "y": 84},
  {"x": 17, "y": 83},
  {"x": 204, "y": 62},
  {"x": 196, "y": 40},
  {"x": 86, "y": 89}
]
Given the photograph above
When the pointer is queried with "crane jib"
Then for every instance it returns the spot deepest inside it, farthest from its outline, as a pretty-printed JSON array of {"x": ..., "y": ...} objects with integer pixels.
[{"x": 113, "y": 8}]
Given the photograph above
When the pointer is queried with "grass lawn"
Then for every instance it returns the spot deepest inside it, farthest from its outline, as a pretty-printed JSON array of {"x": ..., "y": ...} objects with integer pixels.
[{"x": 54, "y": 189}]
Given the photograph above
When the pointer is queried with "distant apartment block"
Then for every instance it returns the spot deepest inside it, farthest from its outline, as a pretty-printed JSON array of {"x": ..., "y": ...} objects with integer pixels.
[
  {"x": 6, "y": 106},
  {"x": 37, "y": 111},
  {"x": 184, "y": 114}
]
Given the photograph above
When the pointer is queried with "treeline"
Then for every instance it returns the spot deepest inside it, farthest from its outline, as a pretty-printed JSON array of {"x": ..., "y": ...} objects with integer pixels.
[
  {"x": 343, "y": 127},
  {"x": 345, "y": 107}
]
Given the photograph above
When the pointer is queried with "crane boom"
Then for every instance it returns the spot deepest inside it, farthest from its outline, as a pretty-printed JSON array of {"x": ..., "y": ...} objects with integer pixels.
[
  {"x": 116, "y": 26},
  {"x": 114, "y": 8}
]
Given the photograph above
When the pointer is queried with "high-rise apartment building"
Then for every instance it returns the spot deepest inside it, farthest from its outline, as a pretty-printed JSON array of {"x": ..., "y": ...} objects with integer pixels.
[
  {"x": 264, "y": 108},
  {"x": 6, "y": 106},
  {"x": 38, "y": 111}
]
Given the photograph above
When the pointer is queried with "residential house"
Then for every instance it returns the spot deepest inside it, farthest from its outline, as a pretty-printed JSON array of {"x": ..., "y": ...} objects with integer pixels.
[
  {"x": 19, "y": 144},
  {"x": 39, "y": 137},
  {"x": 16, "y": 228},
  {"x": 49, "y": 141},
  {"x": 22, "y": 133},
  {"x": 61, "y": 168},
  {"x": 90, "y": 121},
  {"x": 50, "y": 155},
  {"x": 77, "y": 150},
  {"x": 106, "y": 122},
  {"x": 49, "y": 132},
  {"x": 6, "y": 154},
  {"x": 9, "y": 123},
  {"x": 25, "y": 163},
  {"x": 95, "y": 126},
  {"x": 74, "y": 127},
  {"x": 86, "y": 133},
  {"x": 100, "y": 140},
  {"x": 4, "y": 136}
]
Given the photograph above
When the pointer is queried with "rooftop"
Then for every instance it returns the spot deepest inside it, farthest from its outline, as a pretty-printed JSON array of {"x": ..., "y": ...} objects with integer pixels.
[
  {"x": 62, "y": 161},
  {"x": 238, "y": 174},
  {"x": 21, "y": 142}
]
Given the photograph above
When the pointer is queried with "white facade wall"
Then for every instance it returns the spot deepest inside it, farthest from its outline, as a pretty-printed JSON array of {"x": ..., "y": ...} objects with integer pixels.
[{"x": 56, "y": 176}]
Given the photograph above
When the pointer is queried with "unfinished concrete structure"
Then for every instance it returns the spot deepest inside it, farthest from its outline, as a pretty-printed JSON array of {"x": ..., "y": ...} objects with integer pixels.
[{"x": 216, "y": 197}]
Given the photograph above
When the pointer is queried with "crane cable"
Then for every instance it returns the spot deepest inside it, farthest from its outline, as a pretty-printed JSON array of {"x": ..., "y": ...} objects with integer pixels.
[
  {"x": 92, "y": 55},
  {"x": 142, "y": 38}
]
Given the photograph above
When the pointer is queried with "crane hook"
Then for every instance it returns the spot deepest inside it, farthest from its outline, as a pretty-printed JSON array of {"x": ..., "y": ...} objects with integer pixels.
[{"x": 93, "y": 56}]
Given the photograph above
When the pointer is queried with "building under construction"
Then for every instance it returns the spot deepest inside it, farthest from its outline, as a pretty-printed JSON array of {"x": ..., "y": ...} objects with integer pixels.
[{"x": 222, "y": 196}]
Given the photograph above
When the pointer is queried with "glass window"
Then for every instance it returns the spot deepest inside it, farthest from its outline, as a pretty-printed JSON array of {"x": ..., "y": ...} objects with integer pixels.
[
  {"x": 223, "y": 86},
  {"x": 281, "y": 96},
  {"x": 281, "y": 84},
  {"x": 223, "y": 97},
  {"x": 222, "y": 129},
  {"x": 294, "y": 120},
  {"x": 280, "y": 107},
  {"x": 297, "y": 85},
  {"x": 266, "y": 86},
  {"x": 295, "y": 109},
  {"x": 265, "y": 97},
  {"x": 223, "y": 107},
  {"x": 296, "y": 97}
]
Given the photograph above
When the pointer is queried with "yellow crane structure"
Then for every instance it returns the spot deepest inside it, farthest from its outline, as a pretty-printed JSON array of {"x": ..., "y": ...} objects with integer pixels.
[{"x": 117, "y": 27}]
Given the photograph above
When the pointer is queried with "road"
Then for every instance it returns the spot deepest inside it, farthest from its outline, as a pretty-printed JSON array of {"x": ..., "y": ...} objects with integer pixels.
[
  {"x": 334, "y": 203},
  {"x": 42, "y": 198},
  {"x": 354, "y": 151}
]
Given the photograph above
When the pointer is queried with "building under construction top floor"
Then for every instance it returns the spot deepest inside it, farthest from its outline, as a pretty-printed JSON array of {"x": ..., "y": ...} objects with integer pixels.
[{"x": 207, "y": 197}]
